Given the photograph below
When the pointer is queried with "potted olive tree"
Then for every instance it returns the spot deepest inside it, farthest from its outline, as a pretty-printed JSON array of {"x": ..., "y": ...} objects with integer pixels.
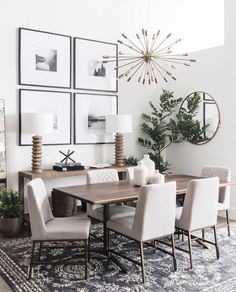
[{"x": 10, "y": 212}]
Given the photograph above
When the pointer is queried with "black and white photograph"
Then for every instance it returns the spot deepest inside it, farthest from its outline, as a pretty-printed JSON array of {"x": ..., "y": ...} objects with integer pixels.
[
  {"x": 90, "y": 111},
  {"x": 44, "y": 59},
  {"x": 42, "y": 101},
  {"x": 90, "y": 73}
]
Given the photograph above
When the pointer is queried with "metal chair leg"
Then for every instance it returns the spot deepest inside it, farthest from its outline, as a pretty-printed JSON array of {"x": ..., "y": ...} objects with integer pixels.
[
  {"x": 173, "y": 252},
  {"x": 203, "y": 233},
  {"x": 86, "y": 259},
  {"x": 31, "y": 260},
  {"x": 216, "y": 244},
  {"x": 227, "y": 219},
  {"x": 89, "y": 244},
  {"x": 142, "y": 262},
  {"x": 190, "y": 250},
  {"x": 108, "y": 244}
]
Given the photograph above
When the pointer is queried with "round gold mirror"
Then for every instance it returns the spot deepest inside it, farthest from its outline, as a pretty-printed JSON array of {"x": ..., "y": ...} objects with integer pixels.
[{"x": 199, "y": 117}]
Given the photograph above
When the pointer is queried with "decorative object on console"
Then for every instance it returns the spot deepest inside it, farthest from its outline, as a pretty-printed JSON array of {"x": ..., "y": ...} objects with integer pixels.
[
  {"x": 42, "y": 101},
  {"x": 140, "y": 174},
  {"x": 199, "y": 118},
  {"x": 119, "y": 124},
  {"x": 67, "y": 156},
  {"x": 37, "y": 124},
  {"x": 90, "y": 111},
  {"x": 157, "y": 178},
  {"x": 89, "y": 71},
  {"x": 44, "y": 58},
  {"x": 154, "y": 59},
  {"x": 68, "y": 166},
  {"x": 149, "y": 164}
]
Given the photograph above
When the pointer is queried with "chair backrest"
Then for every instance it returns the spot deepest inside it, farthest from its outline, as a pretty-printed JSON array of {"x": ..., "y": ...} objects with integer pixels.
[
  {"x": 155, "y": 211},
  {"x": 102, "y": 175},
  {"x": 130, "y": 172},
  {"x": 200, "y": 204},
  {"x": 224, "y": 174},
  {"x": 39, "y": 207}
]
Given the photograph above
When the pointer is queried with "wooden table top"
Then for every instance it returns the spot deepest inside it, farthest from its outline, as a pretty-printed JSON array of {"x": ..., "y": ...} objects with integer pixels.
[{"x": 115, "y": 192}]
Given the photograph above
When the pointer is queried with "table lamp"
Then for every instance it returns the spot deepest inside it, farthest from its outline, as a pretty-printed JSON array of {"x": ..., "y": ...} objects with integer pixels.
[
  {"x": 37, "y": 124},
  {"x": 119, "y": 124}
]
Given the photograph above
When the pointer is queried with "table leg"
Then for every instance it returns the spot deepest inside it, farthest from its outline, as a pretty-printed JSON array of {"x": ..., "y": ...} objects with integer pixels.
[{"x": 105, "y": 231}]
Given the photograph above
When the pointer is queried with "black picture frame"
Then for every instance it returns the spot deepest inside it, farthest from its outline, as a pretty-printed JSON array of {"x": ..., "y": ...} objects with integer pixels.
[
  {"x": 88, "y": 55},
  {"x": 90, "y": 101},
  {"x": 45, "y": 65},
  {"x": 28, "y": 103}
]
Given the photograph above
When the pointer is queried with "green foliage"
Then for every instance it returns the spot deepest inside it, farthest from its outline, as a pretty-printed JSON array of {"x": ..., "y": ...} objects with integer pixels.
[
  {"x": 161, "y": 129},
  {"x": 188, "y": 124},
  {"x": 10, "y": 204},
  {"x": 131, "y": 160}
]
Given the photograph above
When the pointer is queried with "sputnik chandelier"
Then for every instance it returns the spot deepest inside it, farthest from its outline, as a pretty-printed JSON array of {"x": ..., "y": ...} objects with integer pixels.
[{"x": 152, "y": 60}]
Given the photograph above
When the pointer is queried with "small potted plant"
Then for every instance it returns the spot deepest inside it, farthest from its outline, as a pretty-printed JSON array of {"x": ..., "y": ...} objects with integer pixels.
[{"x": 10, "y": 212}]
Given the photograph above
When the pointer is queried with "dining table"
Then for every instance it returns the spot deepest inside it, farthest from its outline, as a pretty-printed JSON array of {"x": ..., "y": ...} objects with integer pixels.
[{"x": 118, "y": 192}]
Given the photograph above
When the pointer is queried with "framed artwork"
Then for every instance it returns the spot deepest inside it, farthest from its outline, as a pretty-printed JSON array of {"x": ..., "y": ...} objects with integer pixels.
[
  {"x": 42, "y": 101},
  {"x": 89, "y": 71},
  {"x": 44, "y": 58},
  {"x": 90, "y": 111}
]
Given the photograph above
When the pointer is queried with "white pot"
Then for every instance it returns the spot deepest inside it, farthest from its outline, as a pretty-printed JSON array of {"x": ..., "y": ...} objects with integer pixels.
[
  {"x": 149, "y": 164},
  {"x": 157, "y": 178},
  {"x": 140, "y": 174}
]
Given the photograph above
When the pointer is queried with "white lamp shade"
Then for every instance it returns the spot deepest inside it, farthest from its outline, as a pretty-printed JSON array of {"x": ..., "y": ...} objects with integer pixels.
[
  {"x": 37, "y": 123},
  {"x": 119, "y": 124}
]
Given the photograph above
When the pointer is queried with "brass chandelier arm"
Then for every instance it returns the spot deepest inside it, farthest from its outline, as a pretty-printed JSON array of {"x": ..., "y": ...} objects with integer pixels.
[
  {"x": 158, "y": 70},
  {"x": 124, "y": 36},
  {"x": 169, "y": 46},
  {"x": 128, "y": 46},
  {"x": 129, "y": 70},
  {"x": 140, "y": 77},
  {"x": 135, "y": 71},
  {"x": 155, "y": 36},
  {"x": 163, "y": 69},
  {"x": 121, "y": 66},
  {"x": 178, "y": 59},
  {"x": 138, "y": 37},
  {"x": 144, "y": 34},
  {"x": 162, "y": 42}
]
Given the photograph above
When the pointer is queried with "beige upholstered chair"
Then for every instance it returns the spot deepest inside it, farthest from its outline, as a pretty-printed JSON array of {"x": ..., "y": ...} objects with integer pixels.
[
  {"x": 45, "y": 227},
  {"x": 154, "y": 218},
  {"x": 224, "y": 193},
  {"x": 199, "y": 211},
  {"x": 96, "y": 211}
]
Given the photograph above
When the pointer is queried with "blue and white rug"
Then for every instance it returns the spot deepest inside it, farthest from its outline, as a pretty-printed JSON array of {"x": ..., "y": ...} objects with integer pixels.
[{"x": 208, "y": 274}]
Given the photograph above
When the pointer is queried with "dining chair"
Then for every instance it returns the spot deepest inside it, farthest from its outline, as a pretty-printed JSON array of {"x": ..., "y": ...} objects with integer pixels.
[
  {"x": 154, "y": 218},
  {"x": 224, "y": 174},
  {"x": 199, "y": 212},
  {"x": 46, "y": 228},
  {"x": 115, "y": 211}
]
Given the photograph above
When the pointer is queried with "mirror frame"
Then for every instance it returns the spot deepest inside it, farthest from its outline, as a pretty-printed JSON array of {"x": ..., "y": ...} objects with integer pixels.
[{"x": 203, "y": 93}]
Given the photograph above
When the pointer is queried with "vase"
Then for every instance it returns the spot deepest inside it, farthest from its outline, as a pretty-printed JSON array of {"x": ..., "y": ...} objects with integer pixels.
[
  {"x": 149, "y": 164},
  {"x": 11, "y": 227},
  {"x": 157, "y": 178},
  {"x": 140, "y": 174}
]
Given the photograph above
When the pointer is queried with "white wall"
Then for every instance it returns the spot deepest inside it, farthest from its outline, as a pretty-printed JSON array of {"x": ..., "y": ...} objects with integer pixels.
[
  {"x": 214, "y": 73},
  {"x": 106, "y": 20},
  {"x": 100, "y": 20}
]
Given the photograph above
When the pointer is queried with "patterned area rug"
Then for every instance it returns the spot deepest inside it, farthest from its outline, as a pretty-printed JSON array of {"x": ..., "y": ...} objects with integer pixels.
[{"x": 208, "y": 273}]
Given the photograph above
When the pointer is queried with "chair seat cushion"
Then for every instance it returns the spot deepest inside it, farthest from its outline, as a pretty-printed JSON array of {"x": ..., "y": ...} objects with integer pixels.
[
  {"x": 114, "y": 212},
  {"x": 67, "y": 228}
]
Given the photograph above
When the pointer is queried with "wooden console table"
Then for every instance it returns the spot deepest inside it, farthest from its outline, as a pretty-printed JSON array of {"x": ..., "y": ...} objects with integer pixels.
[{"x": 52, "y": 174}]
